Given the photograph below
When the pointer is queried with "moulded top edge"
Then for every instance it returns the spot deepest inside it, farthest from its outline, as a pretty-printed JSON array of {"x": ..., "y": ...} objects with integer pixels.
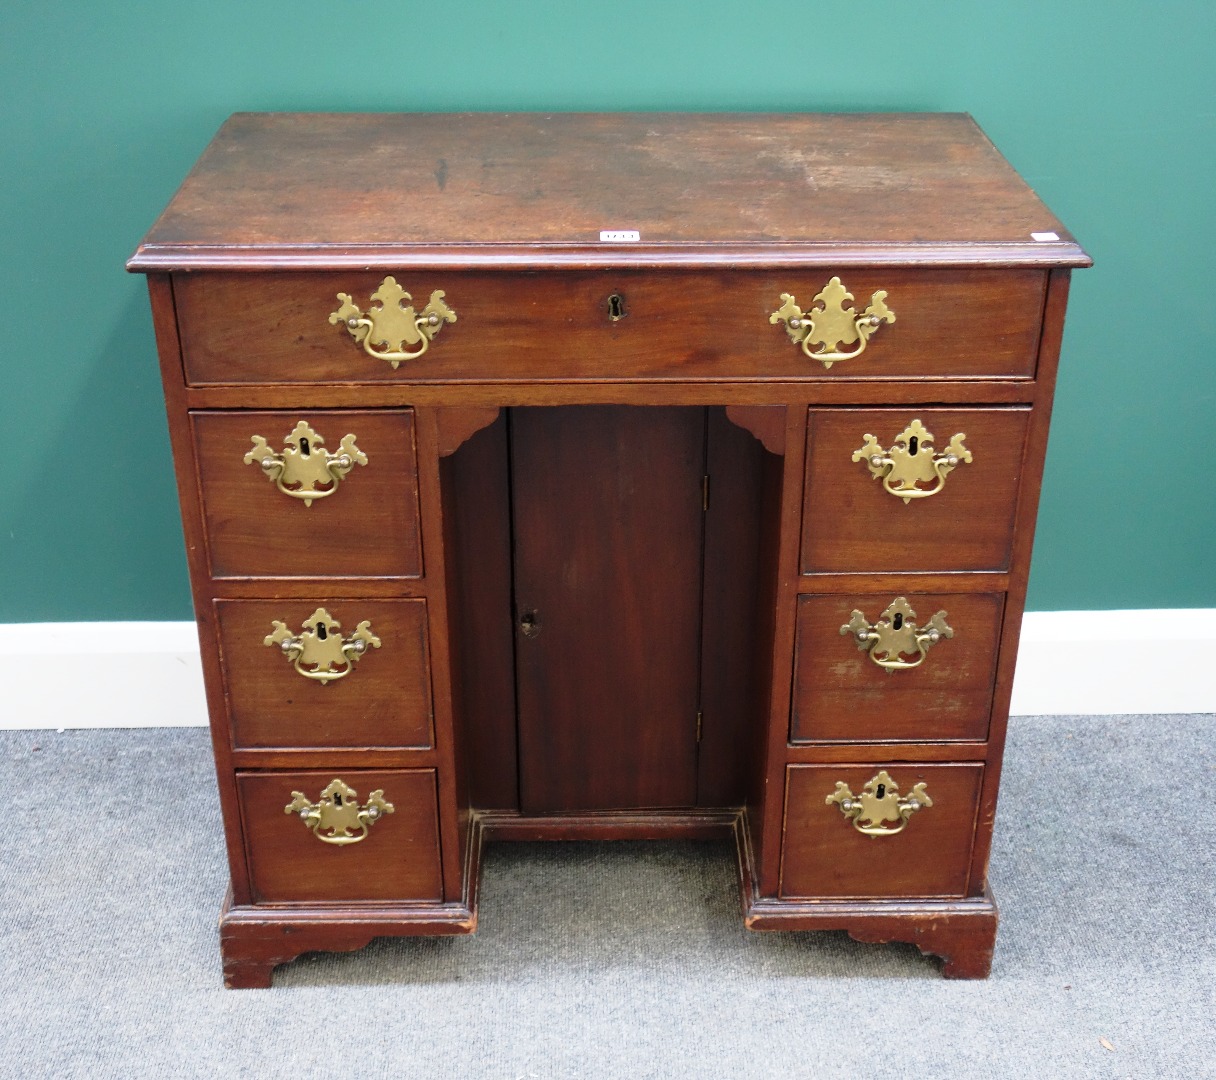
[{"x": 164, "y": 258}]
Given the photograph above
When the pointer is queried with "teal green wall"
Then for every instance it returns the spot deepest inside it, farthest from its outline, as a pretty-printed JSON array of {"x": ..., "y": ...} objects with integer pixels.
[{"x": 1107, "y": 107}]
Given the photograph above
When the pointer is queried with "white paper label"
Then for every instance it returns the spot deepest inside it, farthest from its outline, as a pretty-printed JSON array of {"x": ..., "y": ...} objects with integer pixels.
[
  {"x": 619, "y": 236},
  {"x": 1044, "y": 237}
]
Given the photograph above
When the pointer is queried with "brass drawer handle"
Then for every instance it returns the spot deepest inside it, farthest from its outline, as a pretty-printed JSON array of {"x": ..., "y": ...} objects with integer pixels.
[
  {"x": 336, "y": 815},
  {"x": 912, "y": 460},
  {"x": 393, "y": 324},
  {"x": 320, "y": 652},
  {"x": 895, "y": 635},
  {"x": 832, "y": 324},
  {"x": 879, "y": 802},
  {"x": 303, "y": 463}
]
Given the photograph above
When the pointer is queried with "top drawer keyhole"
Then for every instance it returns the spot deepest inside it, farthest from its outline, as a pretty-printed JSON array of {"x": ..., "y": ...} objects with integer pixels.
[{"x": 616, "y": 307}]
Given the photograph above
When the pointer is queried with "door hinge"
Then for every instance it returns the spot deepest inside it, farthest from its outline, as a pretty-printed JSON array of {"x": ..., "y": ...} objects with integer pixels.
[
  {"x": 704, "y": 493},
  {"x": 699, "y": 716}
]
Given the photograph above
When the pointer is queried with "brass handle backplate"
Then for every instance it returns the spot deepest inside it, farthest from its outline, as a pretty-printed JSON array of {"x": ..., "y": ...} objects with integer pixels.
[
  {"x": 895, "y": 635},
  {"x": 336, "y": 817},
  {"x": 320, "y": 652},
  {"x": 829, "y": 324},
  {"x": 303, "y": 463},
  {"x": 404, "y": 333},
  {"x": 912, "y": 460},
  {"x": 878, "y": 803}
]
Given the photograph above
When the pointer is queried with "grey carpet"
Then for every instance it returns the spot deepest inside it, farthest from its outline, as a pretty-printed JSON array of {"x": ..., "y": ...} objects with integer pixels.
[{"x": 615, "y": 960}]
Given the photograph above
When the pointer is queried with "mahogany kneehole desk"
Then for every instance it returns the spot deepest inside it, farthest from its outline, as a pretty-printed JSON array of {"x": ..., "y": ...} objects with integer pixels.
[{"x": 646, "y": 476}]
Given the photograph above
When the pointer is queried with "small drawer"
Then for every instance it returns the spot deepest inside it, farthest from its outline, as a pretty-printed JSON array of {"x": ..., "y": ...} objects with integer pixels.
[
  {"x": 825, "y": 855},
  {"x": 567, "y": 326},
  {"x": 362, "y": 520},
  {"x": 394, "y": 857},
  {"x": 841, "y": 695},
  {"x": 382, "y": 699},
  {"x": 882, "y": 494}
]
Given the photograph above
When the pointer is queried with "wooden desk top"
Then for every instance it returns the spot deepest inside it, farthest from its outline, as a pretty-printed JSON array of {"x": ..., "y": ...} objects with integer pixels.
[{"x": 534, "y": 190}]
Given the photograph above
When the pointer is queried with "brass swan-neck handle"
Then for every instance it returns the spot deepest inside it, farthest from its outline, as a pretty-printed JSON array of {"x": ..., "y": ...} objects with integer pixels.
[
  {"x": 829, "y": 324},
  {"x": 405, "y": 333}
]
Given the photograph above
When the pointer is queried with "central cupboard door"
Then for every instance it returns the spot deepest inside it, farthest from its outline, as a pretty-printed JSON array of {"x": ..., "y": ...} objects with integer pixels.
[{"x": 608, "y": 537}]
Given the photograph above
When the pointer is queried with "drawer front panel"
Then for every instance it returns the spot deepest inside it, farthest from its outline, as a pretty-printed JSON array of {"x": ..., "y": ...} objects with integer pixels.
[
  {"x": 842, "y": 695},
  {"x": 854, "y": 521},
  {"x": 274, "y": 328},
  {"x": 824, "y": 855},
  {"x": 364, "y": 524},
  {"x": 398, "y": 859},
  {"x": 384, "y": 699}
]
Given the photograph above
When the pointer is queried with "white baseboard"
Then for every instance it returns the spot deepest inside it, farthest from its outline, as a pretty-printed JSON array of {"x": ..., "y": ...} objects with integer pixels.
[
  {"x": 1079, "y": 663},
  {"x": 116, "y": 674},
  {"x": 132, "y": 674}
]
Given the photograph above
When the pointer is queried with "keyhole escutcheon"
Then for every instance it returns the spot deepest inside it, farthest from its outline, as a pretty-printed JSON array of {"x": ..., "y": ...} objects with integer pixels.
[
  {"x": 616, "y": 307},
  {"x": 529, "y": 624}
]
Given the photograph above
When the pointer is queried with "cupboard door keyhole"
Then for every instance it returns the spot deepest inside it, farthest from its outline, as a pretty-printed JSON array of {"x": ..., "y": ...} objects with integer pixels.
[
  {"x": 616, "y": 307},
  {"x": 529, "y": 624}
]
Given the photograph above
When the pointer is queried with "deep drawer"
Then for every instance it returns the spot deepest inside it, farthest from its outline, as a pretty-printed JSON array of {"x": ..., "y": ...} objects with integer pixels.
[
  {"x": 842, "y": 695},
  {"x": 397, "y": 859},
  {"x": 362, "y": 524},
  {"x": 911, "y": 510},
  {"x": 824, "y": 854},
  {"x": 383, "y": 700},
  {"x": 275, "y": 328}
]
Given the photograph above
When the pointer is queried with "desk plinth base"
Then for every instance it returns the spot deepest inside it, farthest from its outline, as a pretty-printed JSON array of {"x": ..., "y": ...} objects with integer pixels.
[
  {"x": 961, "y": 932},
  {"x": 254, "y": 939}
]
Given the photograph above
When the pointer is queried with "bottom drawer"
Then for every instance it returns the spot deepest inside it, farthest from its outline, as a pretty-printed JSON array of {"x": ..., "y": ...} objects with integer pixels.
[
  {"x": 920, "y": 852},
  {"x": 383, "y": 856}
]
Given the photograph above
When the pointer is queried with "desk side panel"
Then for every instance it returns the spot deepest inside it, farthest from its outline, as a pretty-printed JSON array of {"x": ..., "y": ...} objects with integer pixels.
[{"x": 168, "y": 345}]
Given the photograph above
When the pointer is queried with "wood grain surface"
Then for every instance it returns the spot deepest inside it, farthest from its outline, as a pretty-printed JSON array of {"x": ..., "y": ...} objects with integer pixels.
[
  {"x": 477, "y": 494},
  {"x": 397, "y": 860},
  {"x": 680, "y": 325},
  {"x": 733, "y": 693},
  {"x": 841, "y": 695},
  {"x": 851, "y": 525},
  {"x": 608, "y": 567},
  {"x": 368, "y": 527},
  {"x": 385, "y": 190},
  {"x": 825, "y": 855},
  {"x": 385, "y": 701}
]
